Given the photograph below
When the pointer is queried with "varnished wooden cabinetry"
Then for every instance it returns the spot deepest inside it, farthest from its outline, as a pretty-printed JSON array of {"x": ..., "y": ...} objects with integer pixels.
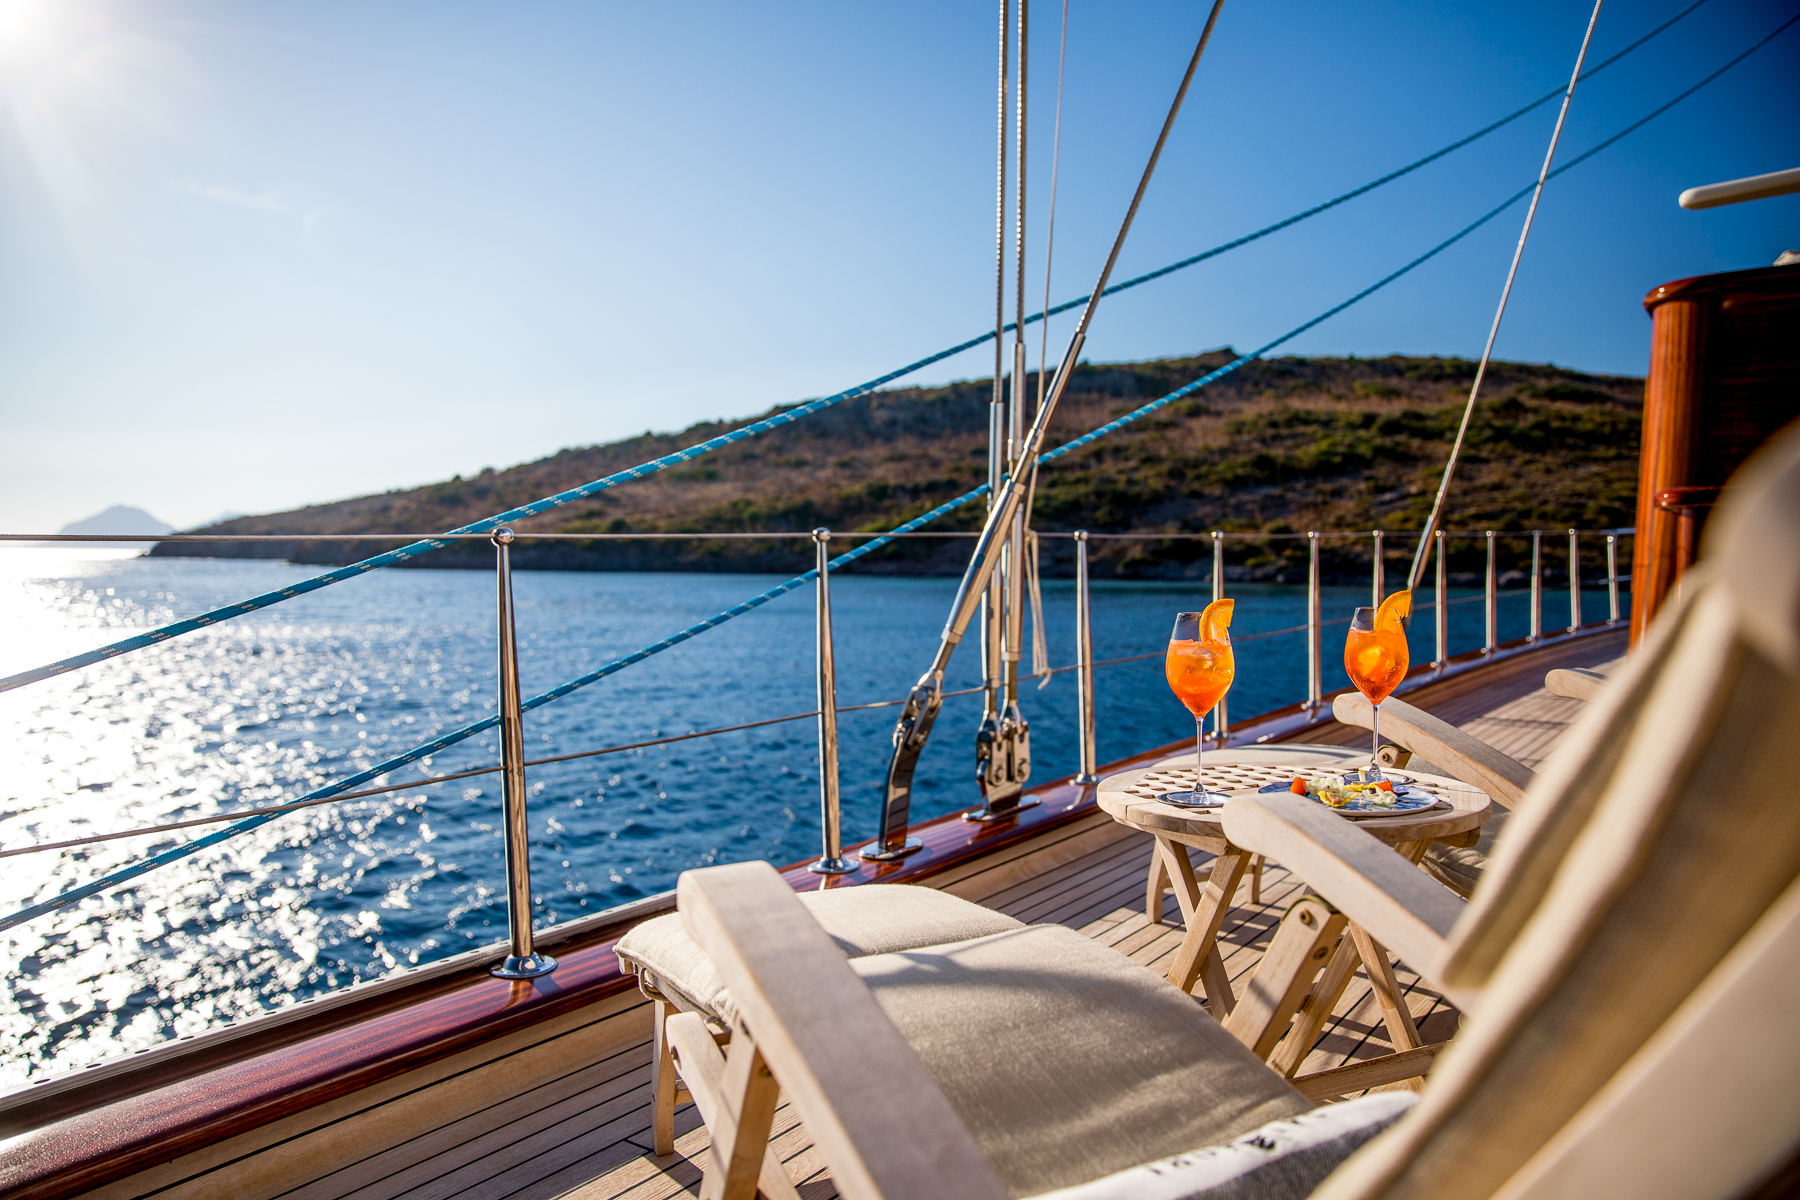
[{"x": 1724, "y": 375}]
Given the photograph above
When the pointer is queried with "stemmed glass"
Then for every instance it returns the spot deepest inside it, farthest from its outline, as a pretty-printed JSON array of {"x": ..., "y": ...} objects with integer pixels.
[
  {"x": 1200, "y": 668},
  {"x": 1375, "y": 654}
]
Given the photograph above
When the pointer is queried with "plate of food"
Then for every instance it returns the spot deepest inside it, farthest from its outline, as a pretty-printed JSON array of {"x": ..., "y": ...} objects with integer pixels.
[{"x": 1366, "y": 793}]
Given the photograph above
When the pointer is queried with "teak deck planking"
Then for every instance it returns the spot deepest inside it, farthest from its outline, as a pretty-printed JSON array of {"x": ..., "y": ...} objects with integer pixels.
[{"x": 581, "y": 1127}]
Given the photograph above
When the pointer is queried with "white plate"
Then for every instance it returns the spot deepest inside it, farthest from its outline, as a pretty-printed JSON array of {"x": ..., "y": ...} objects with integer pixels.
[{"x": 1407, "y": 800}]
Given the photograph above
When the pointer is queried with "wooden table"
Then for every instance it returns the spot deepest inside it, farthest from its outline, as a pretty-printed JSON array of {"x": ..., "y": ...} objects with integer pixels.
[{"x": 1130, "y": 799}]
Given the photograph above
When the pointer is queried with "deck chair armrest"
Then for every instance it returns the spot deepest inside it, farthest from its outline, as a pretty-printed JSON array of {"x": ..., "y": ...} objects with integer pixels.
[
  {"x": 876, "y": 1115},
  {"x": 1470, "y": 759},
  {"x": 1575, "y": 683},
  {"x": 1398, "y": 904}
]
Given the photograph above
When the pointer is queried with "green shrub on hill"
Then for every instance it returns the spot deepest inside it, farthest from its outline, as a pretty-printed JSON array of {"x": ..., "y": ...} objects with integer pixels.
[{"x": 1278, "y": 446}]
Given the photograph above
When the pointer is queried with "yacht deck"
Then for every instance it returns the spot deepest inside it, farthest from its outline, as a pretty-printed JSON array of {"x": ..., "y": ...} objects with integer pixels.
[{"x": 584, "y": 1132}]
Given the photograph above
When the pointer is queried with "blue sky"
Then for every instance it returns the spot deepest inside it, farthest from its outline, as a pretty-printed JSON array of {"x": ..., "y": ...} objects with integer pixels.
[{"x": 263, "y": 255}]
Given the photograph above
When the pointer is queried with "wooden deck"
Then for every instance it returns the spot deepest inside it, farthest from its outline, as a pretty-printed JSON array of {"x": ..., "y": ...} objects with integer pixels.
[
  {"x": 1102, "y": 896},
  {"x": 577, "y": 1123}
]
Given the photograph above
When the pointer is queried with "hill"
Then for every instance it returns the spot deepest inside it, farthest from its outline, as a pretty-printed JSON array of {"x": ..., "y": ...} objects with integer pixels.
[
  {"x": 1278, "y": 446},
  {"x": 118, "y": 519}
]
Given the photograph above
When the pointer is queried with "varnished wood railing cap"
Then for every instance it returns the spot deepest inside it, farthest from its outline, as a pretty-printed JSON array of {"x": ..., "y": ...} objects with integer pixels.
[{"x": 1756, "y": 279}]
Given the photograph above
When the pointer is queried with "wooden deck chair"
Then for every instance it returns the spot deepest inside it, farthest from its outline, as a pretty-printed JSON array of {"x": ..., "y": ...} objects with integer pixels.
[
  {"x": 1429, "y": 744},
  {"x": 677, "y": 976},
  {"x": 1629, "y": 971},
  {"x": 1438, "y": 747},
  {"x": 1575, "y": 683}
]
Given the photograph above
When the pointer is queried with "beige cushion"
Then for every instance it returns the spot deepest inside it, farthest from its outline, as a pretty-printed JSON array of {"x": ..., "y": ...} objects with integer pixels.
[
  {"x": 869, "y": 919},
  {"x": 1282, "y": 1160},
  {"x": 1655, "y": 837},
  {"x": 1067, "y": 1060}
]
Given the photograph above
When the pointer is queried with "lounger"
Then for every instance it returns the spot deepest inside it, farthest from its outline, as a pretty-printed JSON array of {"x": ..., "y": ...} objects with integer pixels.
[
  {"x": 674, "y": 972},
  {"x": 1427, "y": 743},
  {"x": 1438, "y": 747},
  {"x": 1629, "y": 973},
  {"x": 1575, "y": 683}
]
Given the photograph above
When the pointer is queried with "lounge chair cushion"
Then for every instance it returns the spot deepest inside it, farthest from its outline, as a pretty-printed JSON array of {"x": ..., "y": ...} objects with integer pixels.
[
  {"x": 1283, "y": 1160},
  {"x": 1067, "y": 1060},
  {"x": 870, "y": 919}
]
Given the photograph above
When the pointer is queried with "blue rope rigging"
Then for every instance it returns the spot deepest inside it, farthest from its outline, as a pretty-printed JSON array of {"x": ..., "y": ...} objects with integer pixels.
[
  {"x": 126, "y": 874},
  {"x": 427, "y": 545},
  {"x": 135, "y": 870}
]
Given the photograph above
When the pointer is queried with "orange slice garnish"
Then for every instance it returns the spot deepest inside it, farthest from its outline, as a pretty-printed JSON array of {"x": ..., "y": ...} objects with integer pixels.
[
  {"x": 1215, "y": 621},
  {"x": 1394, "y": 611}
]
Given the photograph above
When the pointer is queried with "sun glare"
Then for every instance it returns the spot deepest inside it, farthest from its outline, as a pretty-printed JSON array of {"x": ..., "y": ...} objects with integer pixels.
[{"x": 25, "y": 24}]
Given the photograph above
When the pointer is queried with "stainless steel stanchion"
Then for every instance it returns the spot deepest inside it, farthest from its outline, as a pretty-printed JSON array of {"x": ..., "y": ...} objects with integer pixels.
[
  {"x": 1377, "y": 573},
  {"x": 1492, "y": 597},
  {"x": 1574, "y": 583},
  {"x": 1315, "y": 686},
  {"x": 1441, "y": 613},
  {"x": 1221, "y": 726},
  {"x": 522, "y": 962},
  {"x": 832, "y": 862},
  {"x": 1084, "y": 659},
  {"x": 1537, "y": 586},
  {"x": 1612, "y": 579}
]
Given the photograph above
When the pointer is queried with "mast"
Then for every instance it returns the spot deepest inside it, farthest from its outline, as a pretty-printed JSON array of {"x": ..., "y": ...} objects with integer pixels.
[
  {"x": 1003, "y": 748},
  {"x": 992, "y": 615}
]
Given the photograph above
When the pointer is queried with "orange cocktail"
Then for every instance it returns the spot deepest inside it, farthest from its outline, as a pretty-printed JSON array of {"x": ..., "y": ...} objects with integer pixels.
[
  {"x": 1199, "y": 667},
  {"x": 1375, "y": 653},
  {"x": 1199, "y": 673}
]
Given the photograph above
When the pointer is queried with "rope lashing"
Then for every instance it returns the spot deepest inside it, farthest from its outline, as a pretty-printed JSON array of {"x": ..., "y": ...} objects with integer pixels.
[
  {"x": 425, "y": 546},
  {"x": 125, "y": 874}
]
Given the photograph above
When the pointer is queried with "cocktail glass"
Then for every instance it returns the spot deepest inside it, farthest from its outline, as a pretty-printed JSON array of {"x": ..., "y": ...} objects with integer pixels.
[
  {"x": 1200, "y": 668},
  {"x": 1375, "y": 654}
]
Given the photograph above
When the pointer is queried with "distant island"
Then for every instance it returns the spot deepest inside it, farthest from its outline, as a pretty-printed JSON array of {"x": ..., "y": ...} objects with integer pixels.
[
  {"x": 1280, "y": 446},
  {"x": 119, "y": 519}
]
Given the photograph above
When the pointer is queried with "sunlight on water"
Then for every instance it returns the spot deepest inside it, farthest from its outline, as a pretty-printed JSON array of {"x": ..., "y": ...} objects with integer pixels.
[
  {"x": 253, "y": 712},
  {"x": 259, "y": 710}
]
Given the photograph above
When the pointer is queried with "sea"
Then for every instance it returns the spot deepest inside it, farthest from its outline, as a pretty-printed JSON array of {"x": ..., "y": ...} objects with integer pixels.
[{"x": 258, "y": 710}]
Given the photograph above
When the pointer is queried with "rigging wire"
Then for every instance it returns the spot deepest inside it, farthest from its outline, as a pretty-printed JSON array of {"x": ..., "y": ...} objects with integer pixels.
[
  {"x": 991, "y": 604},
  {"x": 1512, "y": 272},
  {"x": 1390, "y": 177},
  {"x": 1040, "y": 655},
  {"x": 425, "y": 546},
  {"x": 126, "y": 874},
  {"x": 1019, "y": 130},
  {"x": 1012, "y": 574},
  {"x": 1062, "y": 58},
  {"x": 996, "y": 432}
]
